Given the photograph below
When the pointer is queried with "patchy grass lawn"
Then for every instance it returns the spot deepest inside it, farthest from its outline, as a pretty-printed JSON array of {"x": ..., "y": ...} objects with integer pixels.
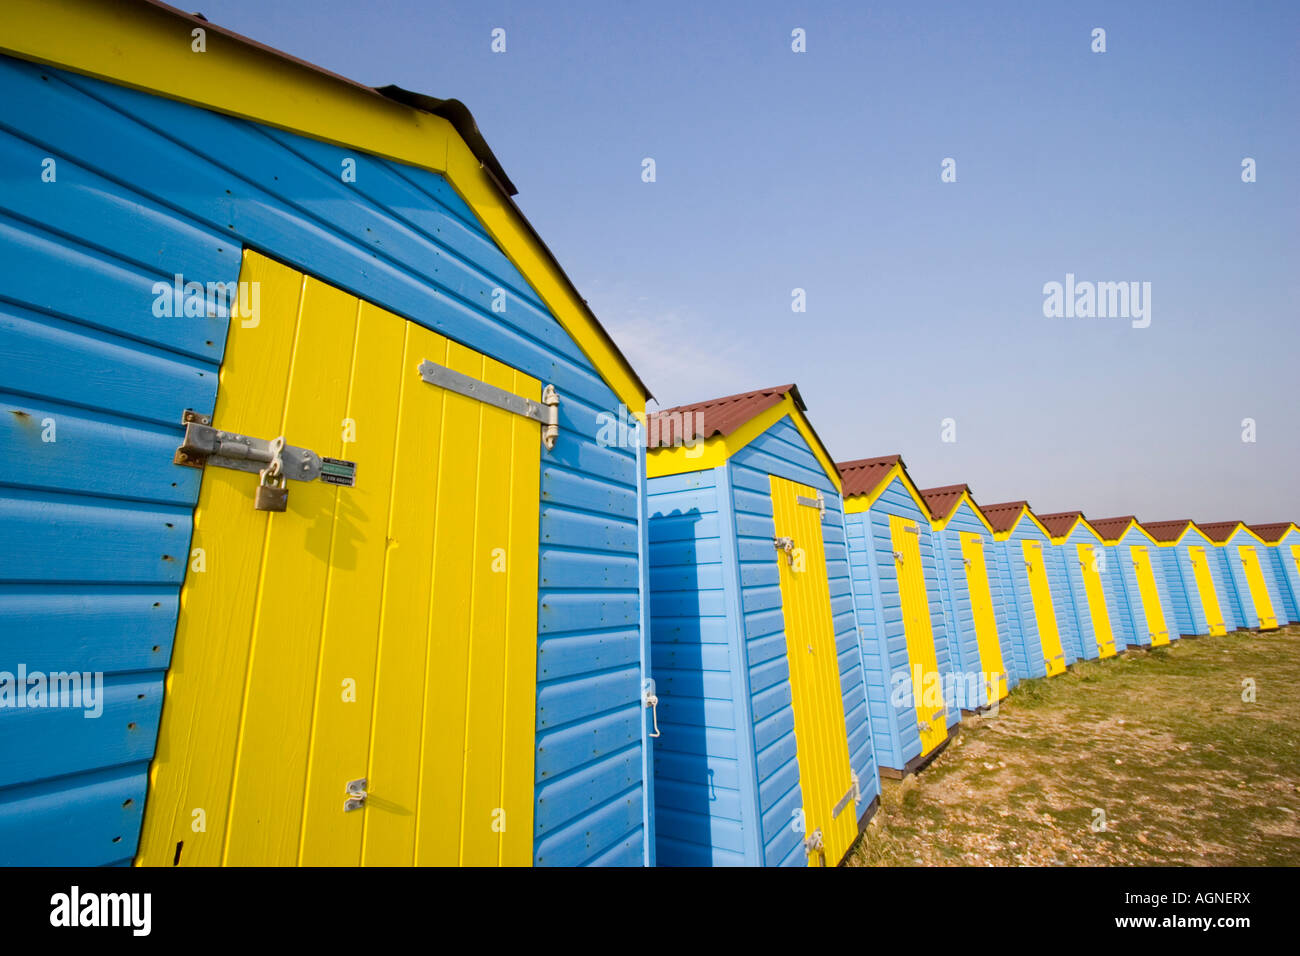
[{"x": 1161, "y": 742}]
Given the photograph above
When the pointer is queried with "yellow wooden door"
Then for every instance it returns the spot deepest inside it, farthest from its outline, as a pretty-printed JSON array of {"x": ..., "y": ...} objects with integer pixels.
[
  {"x": 1151, "y": 607},
  {"x": 1096, "y": 596},
  {"x": 826, "y": 777},
  {"x": 1258, "y": 590},
  {"x": 981, "y": 604},
  {"x": 918, "y": 630},
  {"x": 381, "y": 635},
  {"x": 1205, "y": 588},
  {"x": 1295, "y": 556},
  {"x": 1049, "y": 636}
]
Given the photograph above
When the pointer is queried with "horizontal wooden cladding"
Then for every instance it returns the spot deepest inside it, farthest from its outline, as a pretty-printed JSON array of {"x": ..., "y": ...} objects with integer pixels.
[
  {"x": 94, "y": 518},
  {"x": 161, "y": 202}
]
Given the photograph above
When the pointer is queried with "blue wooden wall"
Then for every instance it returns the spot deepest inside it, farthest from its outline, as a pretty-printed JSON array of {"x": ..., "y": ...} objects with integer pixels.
[
  {"x": 704, "y": 763},
  {"x": 894, "y": 730},
  {"x": 1186, "y": 615},
  {"x": 91, "y": 525}
]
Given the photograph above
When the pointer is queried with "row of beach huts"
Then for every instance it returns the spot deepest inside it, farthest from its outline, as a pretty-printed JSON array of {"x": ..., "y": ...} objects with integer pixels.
[
  {"x": 333, "y": 530},
  {"x": 786, "y": 694}
]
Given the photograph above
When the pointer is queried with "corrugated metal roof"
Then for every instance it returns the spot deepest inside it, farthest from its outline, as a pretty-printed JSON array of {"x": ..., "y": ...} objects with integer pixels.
[
  {"x": 1272, "y": 533},
  {"x": 1219, "y": 531},
  {"x": 863, "y": 475},
  {"x": 1060, "y": 522},
  {"x": 717, "y": 416},
  {"x": 1166, "y": 530},
  {"x": 1112, "y": 528},
  {"x": 942, "y": 502},
  {"x": 1004, "y": 515}
]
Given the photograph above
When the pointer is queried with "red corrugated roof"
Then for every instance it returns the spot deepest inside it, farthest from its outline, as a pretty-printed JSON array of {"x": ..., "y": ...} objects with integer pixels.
[
  {"x": 1112, "y": 528},
  {"x": 1060, "y": 522},
  {"x": 718, "y": 416},
  {"x": 1219, "y": 531},
  {"x": 1271, "y": 533},
  {"x": 942, "y": 502},
  {"x": 862, "y": 476},
  {"x": 1166, "y": 530},
  {"x": 1004, "y": 515}
]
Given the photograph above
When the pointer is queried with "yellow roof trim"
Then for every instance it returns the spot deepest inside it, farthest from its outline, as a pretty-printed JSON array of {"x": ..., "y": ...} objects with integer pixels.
[
  {"x": 715, "y": 451},
  {"x": 1291, "y": 527},
  {"x": 147, "y": 47},
  {"x": 1006, "y": 535},
  {"x": 860, "y": 503},
  {"x": 1061, "y": 539},
  {"x": 940, "y": 525},
  {"x": 1246, "y": 528}
]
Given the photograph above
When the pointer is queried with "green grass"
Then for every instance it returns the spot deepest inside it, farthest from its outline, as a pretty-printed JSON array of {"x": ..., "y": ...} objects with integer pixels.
[{"x": 1184, "y": 770}]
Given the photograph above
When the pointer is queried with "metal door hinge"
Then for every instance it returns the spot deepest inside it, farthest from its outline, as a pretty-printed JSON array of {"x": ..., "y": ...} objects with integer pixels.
[
  {"x": 356, "y": 791},
  {"x": 911, "y": 529},
  {"x": 814, "y": 842},
  {"x": 272, "y": 459},
  {"x": 546, "y": 412}
]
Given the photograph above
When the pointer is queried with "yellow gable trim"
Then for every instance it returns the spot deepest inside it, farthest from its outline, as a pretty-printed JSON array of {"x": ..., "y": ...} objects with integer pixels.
[
  {"x": 1005, "y": 535},
  {"x": 1240, "y": 529},
  {"x": 860, "y": 503},
  {"x": 715, "y": 451},
  {"x": 148, "y": 48},
  {"x": 1062, "y": 538},
  {"x": 940, "y": 525}
]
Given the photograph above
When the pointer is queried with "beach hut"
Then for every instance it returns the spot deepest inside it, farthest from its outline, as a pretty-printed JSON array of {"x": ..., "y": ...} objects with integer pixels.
[
  {"x": 1245, "y": 556},
  {"x": 1196, "y": 586},
  {"x": 764, "y": 755},
  {"x": 975, "y": 618},
  {"x": 303, "y": 456},
  {"x": 900, "y": 614},
  {"x": 1140, "y": 572},
  {"x": 1033, "y": 577},
  {"x": 1283, "y": 550},
  {"x": 1093, "y": 603},
  {"x": 1283, "y": 547}
]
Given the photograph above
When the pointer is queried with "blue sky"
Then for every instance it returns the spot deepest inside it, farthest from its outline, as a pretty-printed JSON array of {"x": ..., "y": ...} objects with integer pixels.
[{"x": 821, "y": 171}]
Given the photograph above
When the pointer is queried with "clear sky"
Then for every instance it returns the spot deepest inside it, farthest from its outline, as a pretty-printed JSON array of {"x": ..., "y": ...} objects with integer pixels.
[{"x": 820, "y": 170}]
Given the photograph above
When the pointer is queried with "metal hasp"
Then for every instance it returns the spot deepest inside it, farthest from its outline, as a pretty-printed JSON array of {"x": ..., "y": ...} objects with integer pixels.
[
  {"x": 271, "y": 459},
  {"x": 819, "y": 502},
  {"x": 546, "y": 412},
  {"x": 850, "y": 796}
]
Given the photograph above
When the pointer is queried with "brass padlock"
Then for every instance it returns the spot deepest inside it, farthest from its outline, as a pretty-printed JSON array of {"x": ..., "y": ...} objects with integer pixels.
[
  {"x": 271, "y": 498},
  {"x": 272, "y": 490}
]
